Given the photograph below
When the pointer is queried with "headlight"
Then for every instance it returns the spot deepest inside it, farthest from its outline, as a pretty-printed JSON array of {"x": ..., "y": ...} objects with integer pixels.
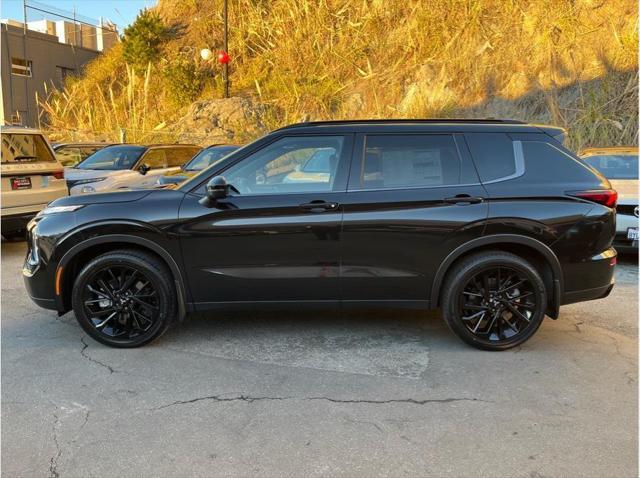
[
  {"x": 57, "y": 209},
  {"x": 85, "y": 181},
  {"x": 87, "y": 189}
]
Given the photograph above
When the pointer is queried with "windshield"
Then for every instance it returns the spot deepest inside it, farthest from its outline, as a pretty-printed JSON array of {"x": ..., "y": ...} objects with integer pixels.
[
  {"x": 24, "y": 148},
  {"x": 615, "y": 166},
  {"x": 207, "y": 157},
  {"x": 113, "y": 158}
]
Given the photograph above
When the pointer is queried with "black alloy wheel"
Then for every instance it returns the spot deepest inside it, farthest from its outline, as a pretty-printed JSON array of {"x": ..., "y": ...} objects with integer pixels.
[
  {"x": 494, "y": 301},
  {"x": 124, "y": 298}
]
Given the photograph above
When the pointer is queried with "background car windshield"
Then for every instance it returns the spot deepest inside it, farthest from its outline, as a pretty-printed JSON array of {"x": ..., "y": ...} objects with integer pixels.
[
  {"x": 206, "y": 158},
  {"x": 615, "y": 166},
  {"x": 113, "y": 158}
]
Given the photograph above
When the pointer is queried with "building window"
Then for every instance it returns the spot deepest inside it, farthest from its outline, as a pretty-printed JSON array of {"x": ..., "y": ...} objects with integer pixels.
[
  {"x": 64, "y": 72},
  {"x": 21, "y": 67}
]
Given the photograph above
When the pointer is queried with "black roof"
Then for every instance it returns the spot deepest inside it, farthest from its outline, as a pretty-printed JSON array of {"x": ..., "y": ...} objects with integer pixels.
[
  {"x": 405, "y": 121},
  {"x": 419, "y": 125}
]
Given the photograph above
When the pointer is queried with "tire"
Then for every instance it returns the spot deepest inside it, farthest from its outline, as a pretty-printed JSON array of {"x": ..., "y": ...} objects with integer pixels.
[
  {"x": 16, "y": 235},
  {"x": 135, "y": 286},
  {"x": 494, "y": 300}
]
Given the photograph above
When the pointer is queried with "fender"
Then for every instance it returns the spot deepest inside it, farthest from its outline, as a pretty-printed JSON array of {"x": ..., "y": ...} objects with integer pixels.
[
  {"x": 173, "y": 266},
  {"x": 542, "y": 248}
]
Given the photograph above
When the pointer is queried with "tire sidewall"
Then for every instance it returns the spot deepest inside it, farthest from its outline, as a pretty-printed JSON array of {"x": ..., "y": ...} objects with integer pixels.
[
  {"x": 152, "y": 274},
  {"x": 451, "y": 307}
]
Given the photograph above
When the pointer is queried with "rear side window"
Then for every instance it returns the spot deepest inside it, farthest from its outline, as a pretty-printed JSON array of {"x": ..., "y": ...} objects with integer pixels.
[
  {"x": 493, "y": 154},
  {"x": 24, "y": 148},
  {"x": 400, "y": 161}
]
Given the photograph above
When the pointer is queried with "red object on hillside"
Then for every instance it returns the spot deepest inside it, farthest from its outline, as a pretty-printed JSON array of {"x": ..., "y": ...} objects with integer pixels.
[{"x": 223, "y": 57}]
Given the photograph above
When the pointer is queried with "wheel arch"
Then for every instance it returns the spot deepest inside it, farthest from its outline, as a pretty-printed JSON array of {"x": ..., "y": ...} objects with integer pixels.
[
  {"x": 78, "y": 255},
  {"x": 530, "y": 248}
]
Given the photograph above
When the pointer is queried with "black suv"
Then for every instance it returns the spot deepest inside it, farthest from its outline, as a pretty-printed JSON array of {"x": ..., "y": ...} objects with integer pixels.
[{"x": 493, "y": 221}]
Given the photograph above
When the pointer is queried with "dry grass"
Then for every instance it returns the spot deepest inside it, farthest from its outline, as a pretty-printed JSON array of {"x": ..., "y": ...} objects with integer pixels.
[{"x": 569, "y": 62}]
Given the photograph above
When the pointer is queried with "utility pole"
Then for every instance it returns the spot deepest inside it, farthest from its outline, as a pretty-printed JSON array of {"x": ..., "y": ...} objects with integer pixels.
[
  {"x": 226, "y": 49},
  {"x": 26, "y": 64}
]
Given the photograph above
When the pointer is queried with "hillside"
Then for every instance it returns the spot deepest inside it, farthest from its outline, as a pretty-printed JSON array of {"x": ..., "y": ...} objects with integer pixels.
[{"x": 567, "y": 62}]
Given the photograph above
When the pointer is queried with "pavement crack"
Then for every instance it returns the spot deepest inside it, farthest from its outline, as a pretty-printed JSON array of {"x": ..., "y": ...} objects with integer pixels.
[
  {"x": 412, "y": 401},
  {"x": 53, "y": 463},
  {"x": 84, "y": 353},
  {"x": 218, "y": 398},
  {"x": 250, "y": 399}
]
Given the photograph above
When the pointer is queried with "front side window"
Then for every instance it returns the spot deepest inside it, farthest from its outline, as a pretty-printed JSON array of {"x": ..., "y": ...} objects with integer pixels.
[
  {"x": 113, "y": 158},
  {"x": 18, "y": 148},
  {"x": 177, "y": 157},
  {"x": 615, "y": 166},
  {"x": 155, "y": 159},
  {"x": 280, "y": 167},
  {"x": 401, "y": 161}
]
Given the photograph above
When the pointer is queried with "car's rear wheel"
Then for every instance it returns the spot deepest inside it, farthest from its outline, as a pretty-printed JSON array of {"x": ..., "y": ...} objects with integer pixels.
[
  {"x": 494, "y": 300},
  {"x": 124, "y": 298}
]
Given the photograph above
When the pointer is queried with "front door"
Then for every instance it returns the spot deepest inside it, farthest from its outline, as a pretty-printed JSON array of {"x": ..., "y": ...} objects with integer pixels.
[
  {"x": 412, "y": 199},
  {"x": 276, "y": 237}
]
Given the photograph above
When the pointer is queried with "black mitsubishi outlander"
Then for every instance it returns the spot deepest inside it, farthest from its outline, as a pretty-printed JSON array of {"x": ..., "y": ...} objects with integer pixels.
[{"x": 494, "y": 221}]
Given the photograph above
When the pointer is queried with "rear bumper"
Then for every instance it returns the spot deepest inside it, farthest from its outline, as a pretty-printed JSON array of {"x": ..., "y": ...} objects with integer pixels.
[
  {"x": 591, "y": 279},
  {"x": 587, "y": 294}
]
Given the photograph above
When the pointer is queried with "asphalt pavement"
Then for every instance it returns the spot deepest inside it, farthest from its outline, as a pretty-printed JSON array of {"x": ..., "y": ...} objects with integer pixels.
[{"x": 363, "y": 394}]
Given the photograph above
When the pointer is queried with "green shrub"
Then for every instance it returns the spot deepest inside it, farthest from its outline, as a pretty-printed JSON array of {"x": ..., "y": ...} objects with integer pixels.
[
  {"x": 142, "y": 40},
  {"x": 183, "y": 81}
]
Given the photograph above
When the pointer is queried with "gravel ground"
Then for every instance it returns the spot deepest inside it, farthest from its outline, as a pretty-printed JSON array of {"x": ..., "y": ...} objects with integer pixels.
[{"x": 356, "y": 395}]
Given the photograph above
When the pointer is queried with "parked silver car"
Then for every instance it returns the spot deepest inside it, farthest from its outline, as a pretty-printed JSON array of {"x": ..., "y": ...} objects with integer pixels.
[
  {"x": 127, "y": 166},
  {"x": 620, "y": 167}
]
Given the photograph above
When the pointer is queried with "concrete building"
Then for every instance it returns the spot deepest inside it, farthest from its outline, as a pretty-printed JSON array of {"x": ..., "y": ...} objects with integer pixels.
[{"x": 48, "y": 53}]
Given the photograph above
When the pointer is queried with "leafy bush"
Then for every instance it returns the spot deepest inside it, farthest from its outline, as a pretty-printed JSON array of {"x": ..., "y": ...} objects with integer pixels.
[
  {"x": 183, "y": 81},
  {"x": 142, "y": 40}
]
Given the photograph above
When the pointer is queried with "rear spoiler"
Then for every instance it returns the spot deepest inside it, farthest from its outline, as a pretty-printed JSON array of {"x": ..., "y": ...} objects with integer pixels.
[{"x": 557, "y": 133}]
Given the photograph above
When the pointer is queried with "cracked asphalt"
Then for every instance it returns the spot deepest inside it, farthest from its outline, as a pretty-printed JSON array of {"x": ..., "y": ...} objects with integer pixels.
[{"x": 362, "y": 394}]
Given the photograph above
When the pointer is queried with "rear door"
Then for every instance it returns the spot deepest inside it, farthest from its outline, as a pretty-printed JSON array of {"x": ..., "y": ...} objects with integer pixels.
[{"x": 412, "y": 199}]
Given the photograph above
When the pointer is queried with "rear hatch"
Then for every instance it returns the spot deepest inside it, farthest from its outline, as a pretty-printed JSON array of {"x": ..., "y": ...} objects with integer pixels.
[{"x": 30, "y": 173}]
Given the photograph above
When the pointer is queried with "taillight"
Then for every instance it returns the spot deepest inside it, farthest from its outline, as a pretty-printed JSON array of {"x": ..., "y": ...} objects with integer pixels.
[
  {"x": 606, "y": 197},
  {"x": 58, "y": 174}
]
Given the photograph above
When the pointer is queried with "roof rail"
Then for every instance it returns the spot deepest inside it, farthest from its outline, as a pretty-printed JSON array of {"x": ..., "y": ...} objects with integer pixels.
[{"x": 420, "y": 120}]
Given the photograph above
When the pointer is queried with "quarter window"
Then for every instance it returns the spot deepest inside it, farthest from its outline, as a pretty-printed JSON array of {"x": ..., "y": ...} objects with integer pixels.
[
  {"x": 294, "y": 164},
  {"x": 399, "y": 161},
  {"x": 493, "y": 155}
]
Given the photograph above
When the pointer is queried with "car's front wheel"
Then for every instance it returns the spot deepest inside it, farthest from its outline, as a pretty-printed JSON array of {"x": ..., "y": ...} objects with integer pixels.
[
  {"x": 494, "y": 300},
  {"x": 124, "y": 298}
]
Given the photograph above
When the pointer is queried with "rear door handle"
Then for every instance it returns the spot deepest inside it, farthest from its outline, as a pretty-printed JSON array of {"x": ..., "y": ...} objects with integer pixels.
[
  {"x": 464, "y": 199},
  {"x": 319, "y": 206}
]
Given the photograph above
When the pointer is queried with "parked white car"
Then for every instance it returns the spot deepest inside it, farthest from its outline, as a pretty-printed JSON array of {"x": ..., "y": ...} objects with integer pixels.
[
  {"x": 620, "y": 167},
  {"x": 31, "y": 177},
  {"x": 126, "y": 166}
]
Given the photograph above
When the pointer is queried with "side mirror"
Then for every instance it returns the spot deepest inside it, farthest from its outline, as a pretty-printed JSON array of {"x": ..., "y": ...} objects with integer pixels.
[
  {"x": 143, "y": 169},
  {"x": 217, "y": 188}
]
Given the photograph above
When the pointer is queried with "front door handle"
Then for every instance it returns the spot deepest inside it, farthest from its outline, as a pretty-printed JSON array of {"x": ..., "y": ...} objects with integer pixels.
[
  {"x": 319, "y": 206},
  {"x": 463, "y": 199}
]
